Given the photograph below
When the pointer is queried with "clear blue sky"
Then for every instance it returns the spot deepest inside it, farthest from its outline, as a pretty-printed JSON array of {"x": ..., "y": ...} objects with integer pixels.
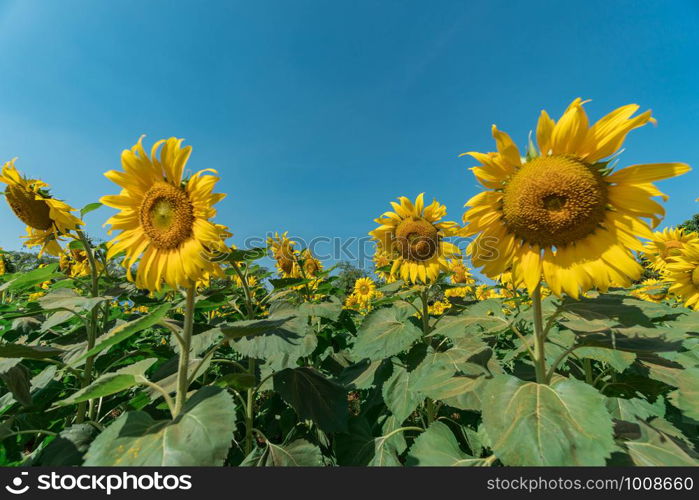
[{"x": 318, "y": 113}]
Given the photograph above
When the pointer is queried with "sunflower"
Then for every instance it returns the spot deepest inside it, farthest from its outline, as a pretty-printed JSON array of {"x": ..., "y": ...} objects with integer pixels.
[
  {"x": 364, "y": 289},
  {"x": 251, "y": 281},
  {"x": 381, "y": 260},
  {"x": 307, "y": 266},
  {"x": 563, "y": 213},
  {"x": 667, "y": 244},
  {"x": 415, "y": 235},
  {"x": 458, "y": 291},
  {"x": 438, "y": 307},
  {"x": 47, "y": 218},
  {"x": 460, "y": 272},
  {"x": 284, "y": 254},
  {"x": 352, "y": 302},
  {"x": 76, "y": 264},
  {"x": 651, "y": 290},
  {"x": 163, "y": 218},
  {"x": 3, "y": 266},
  {"x": 683, "y": 274}
]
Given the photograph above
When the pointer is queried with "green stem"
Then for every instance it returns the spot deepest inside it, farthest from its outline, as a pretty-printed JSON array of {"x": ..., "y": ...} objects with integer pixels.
[
  {"x": 246, "y": 289},
  {"x": 249, "y": 412},
  {"x": 249, "y": 406},
  {"x": 587, "y": 364},
  {"x": 91, "y": 331},
  {"x": 425, "y": 313},
  {"x": 185, "y": 344},
  {"x": 539, "y": 337}
]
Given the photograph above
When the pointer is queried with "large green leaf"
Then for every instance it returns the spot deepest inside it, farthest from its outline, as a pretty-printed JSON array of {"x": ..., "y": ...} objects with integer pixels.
[
  {"x": 283, "y": 339},
  {"x": 111, "y": 383},
  {"x": 329, "y": 310},
  {"x": 397, "y": 394},
  {"x": 359, "y": 447},
  {"x": 252, "y": 328},
  {"x": 314, "y": 397},
  {"x": 565, "y": 423},
  {"x": 385, "y": 333},
  {"x": 477, "y": 319},
  {"x": 67, "y": 298},
  {"x": 28, "y": 351},
  {"x": 436, "y": 379},
  {"x": 686, "y": 397},
  {"x": 16, "y": 380},
  {"x": 124, "y": 331},
  {"x": 633, "y": 409},
  {"x": 438, "y": 447},
  {"x": 200, "y": 436},
  {"x": 68, "y": 448},
  {"x": 656, "y": 448},
  {"x": 22, "y": 281},
  {"x": 299, "y": 453}
]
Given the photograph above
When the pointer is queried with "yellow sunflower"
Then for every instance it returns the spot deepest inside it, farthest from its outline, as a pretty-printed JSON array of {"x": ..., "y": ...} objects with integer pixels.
[
  {"x": 460, "y": 272},
  {"x": 3, "y": 266},
  {"x": 47, "y": 218},
  {"x": 438, "y": 307},
  {"x": 364, "y": 289},
  {"x": 667, "y": 244},
  {"x": 308, "y": 264},
  {"x": 75, "y": 263},
  {"x": 251, "y": 281},
  {"x": 284, "y": 254},
  {"x": 458, "y": 291},
  {"x": 651, "y": 290},
  {"x": 563, "y": 213},
  {"x": 415, "y": 235},
  {"x": 382, "y": 260},
  {"x": 163, "y": 218},
  {"x": 683, "y": 274}
]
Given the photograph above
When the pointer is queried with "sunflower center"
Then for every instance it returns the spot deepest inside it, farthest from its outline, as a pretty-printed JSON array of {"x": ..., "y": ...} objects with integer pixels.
[
  {"x": 417, "y": 239},
  {"x": 34, "y": 213},
  {"x": 167, "y": 216},
  {"x": 553, "y": 201}
]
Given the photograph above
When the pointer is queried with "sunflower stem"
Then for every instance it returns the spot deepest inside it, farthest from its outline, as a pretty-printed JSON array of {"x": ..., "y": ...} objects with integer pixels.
[
  {"x": 91, "y": 332},
  {"x": 185, "y": 343},
  {"x": 539, "y": 337},
  {"x": 249, "y": 415},
  {"x": 425, "y": 313}
]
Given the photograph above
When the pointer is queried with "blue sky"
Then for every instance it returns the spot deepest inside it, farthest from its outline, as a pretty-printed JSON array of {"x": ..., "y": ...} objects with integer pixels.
[{"x": 316, "y": 114}]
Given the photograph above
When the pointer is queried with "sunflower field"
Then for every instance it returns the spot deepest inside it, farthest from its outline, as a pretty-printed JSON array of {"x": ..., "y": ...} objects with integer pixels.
[{"x": 565, "y": 333}]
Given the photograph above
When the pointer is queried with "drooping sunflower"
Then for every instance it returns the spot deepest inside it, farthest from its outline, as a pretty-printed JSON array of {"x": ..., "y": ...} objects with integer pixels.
[
  {"x": 651, "y": 290},
  {"x": 460, "y": 272},
  {"x": 563, "y": 213},
  {"x": 683, "y": 274},
  {"x": 307, "y": 265},
  {"x": 75, "y": 263},
  {"x": 667, "y": 244},
  {"x": 415, "y": 236},
  {"x": 48, "y": 220},
  {"x": 163, "y": 217},
  {"x": 284, "y": 254}
]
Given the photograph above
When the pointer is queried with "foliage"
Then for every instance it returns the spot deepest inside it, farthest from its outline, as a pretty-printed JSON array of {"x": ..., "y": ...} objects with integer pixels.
[{"x": 283, "y": 375}]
